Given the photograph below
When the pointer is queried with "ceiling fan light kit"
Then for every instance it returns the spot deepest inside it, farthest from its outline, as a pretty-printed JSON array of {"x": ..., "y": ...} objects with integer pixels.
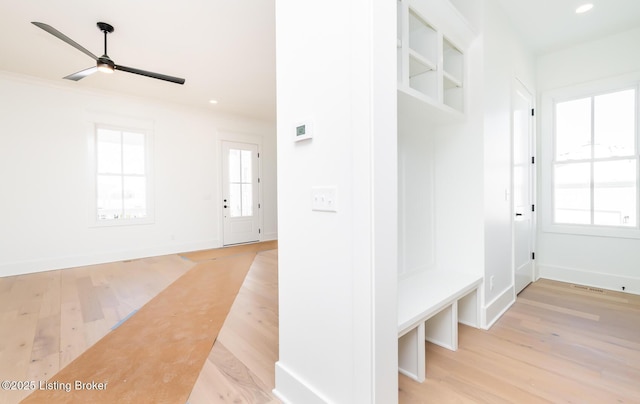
[
  {"x": 105, "y": 65},
  {"x": 104, "y": 62}
]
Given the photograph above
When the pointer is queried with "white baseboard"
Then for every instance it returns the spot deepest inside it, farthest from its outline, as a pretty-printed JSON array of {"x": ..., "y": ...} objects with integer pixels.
[
  {"x": 291, "y": 389},
  {"x": 101, "y": 257},
  {"x": 590, "y": 278},
  {"x": 269, "y": 236},
  {"x": 496, "y": 308}
]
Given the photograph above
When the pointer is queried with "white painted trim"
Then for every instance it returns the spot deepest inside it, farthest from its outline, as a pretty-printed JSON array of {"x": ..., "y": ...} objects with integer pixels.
[
  {"x": 97, "y": 119},
  {"x": 590, "y": 278},
  {"x": 547, "y": 144},
  {"x": 498, "y": 306},
  {"x": 71, "y": 261},
  {"x": 292, "y": 389},
  {"x": 269, "y": 236},
  {"x": 533, "y": 185}
]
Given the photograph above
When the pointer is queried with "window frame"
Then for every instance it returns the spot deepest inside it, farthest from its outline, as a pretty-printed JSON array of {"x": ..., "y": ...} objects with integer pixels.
[
  {"x": 122, "y": 125},
  {"x": 549, "y": 153}
]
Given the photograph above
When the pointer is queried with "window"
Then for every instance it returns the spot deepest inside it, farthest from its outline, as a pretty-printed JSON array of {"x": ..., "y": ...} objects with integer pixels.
[
  {"x": 240, "y": 183},
  {"x": 595, "y": 163},
  {"x": 121, "y": 175}
]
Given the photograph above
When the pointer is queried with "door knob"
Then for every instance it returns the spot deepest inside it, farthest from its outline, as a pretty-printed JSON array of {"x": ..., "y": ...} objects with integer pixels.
[
  {"x": 518, "y": 214},
  {"x": 224, "y": 206}
]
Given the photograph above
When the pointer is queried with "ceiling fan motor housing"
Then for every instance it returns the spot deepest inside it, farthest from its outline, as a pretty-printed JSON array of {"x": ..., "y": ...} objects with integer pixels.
[{"x": 106, "y": 28}]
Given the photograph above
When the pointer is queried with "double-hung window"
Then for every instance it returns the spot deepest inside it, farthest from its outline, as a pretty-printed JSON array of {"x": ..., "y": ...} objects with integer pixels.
[
  {"x": 595, "y": 161},
  {"x": 121, "y": 175}
]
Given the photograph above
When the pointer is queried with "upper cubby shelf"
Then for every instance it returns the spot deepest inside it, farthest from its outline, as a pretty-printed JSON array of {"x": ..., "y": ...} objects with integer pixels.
[
  {"x": 453, "y": 62},
  {"x": 423, "y": 39},
  {"x": 432, "y": 37}
]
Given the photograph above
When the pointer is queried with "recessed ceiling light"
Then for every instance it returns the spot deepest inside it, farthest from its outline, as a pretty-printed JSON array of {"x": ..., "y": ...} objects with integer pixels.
[
  {"x": 213, "y": 101},
  {"x": 584, "y": 8}
]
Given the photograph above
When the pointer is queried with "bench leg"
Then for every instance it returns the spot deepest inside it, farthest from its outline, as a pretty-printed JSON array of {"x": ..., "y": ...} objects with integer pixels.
[
  {"x": 442, "y": 329},
  {"x": 469, "y": 309},
  {"x": 411, "y": 360}
]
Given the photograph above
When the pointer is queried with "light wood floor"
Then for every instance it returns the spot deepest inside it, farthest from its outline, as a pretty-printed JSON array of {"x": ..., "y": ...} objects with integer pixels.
[
  {"x": 241, "y": 365},
  {"x": 48, "y": 319},
  {"x": 557, "y": 344}
]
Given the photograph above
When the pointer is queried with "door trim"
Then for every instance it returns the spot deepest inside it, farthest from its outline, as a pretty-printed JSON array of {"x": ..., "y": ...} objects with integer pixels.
[{"x": 519, "y": 85}]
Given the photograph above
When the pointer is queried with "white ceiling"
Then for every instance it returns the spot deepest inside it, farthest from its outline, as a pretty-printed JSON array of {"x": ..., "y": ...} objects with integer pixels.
[
  {"x": 551, "y": 25},
  {"x": 225, "y": 49}
]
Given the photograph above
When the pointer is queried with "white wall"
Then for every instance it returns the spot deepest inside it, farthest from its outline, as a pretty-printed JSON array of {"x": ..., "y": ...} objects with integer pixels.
[
  {"x": 459, "y": 184},
  {"x": 607, "y": 57},
  {"x": 606, "y": 262},
  {"x": 45, "y": 182},
  {"x": 416, "y": 193},
  {"x": 337, "y": 271},
  {"x": 506, "y": 59}
]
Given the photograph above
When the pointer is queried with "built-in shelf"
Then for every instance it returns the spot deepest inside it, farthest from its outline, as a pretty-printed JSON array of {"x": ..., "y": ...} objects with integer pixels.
[
  {"x": 431, "y": 63},
  {"x": 453, "y": 73},
  {"x": 432, "y": 39},
  {"x": 423, "y": 38},
  {"x": 450, "y": 81},
  {"x": 453, "y": 61},
  {"x": 418, "y": 64},
  {"x": 425, "y": 109}
]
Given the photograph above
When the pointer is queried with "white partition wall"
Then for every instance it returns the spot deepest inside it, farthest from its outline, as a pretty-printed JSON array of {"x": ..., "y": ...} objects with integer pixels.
[{"x": 337, "y": 269}]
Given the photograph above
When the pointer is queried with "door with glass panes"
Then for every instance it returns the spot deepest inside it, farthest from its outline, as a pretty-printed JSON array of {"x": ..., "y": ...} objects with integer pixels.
[{"x": 240, "y": 189}]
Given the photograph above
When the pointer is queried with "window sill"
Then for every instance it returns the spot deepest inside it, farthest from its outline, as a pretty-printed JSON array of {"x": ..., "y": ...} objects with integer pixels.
[
  {"x": 595, "y": 231},
  {"x": 122, "y": 222}
]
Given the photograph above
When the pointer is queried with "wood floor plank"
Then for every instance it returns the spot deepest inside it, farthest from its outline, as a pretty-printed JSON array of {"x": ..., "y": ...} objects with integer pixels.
[
  {"x": 72, "y": 340},
  {"x": 225, "y": 379},
  {"x": 571, "y": 312},
  {"x": 89, "y": 303},
  {"x": 213, "y": 387},
  {"x": 47, "y": 338}
]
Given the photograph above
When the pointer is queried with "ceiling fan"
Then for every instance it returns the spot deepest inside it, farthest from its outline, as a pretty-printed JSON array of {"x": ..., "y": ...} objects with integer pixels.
[{"x": 104, "y": 62}]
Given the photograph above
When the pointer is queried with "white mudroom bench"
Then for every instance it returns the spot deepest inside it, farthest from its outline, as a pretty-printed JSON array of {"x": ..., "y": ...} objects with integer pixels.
[{"x": 430, "y": 305}]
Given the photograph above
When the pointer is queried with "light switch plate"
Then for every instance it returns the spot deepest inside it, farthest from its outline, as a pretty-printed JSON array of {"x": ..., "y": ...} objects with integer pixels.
[{"x": 324, "y": 199}]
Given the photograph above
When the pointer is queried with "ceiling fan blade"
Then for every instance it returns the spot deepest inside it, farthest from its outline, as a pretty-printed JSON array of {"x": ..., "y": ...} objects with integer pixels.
[
  {"x": 81, "y": 74},
  {"x": 159, "y": 76},
  {"x": 64, "y": 38}
]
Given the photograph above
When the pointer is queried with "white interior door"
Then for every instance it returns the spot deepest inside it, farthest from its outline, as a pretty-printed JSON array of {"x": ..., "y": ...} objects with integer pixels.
[
  {"x": 523, "y": 187},
  {"x": 240, "y": 189}
]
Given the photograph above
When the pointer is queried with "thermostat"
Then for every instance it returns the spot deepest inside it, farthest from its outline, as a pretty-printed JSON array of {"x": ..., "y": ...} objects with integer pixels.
[{"x": 303, "y": 130}]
